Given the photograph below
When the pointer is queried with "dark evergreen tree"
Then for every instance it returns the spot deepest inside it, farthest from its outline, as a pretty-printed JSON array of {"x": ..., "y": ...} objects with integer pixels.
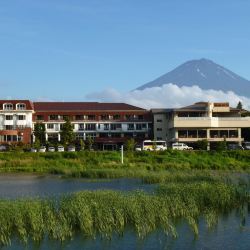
[
  {"x": 202, "y": 144},
  {"x": 39, "y": 132},
  {"x": 239, "y": 105},
  {"x": 67, "y": 133},
  {"x": 90, "y": 142}
]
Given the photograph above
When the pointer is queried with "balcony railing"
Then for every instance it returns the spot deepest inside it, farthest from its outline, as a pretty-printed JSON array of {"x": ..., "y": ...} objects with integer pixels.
[
  {"x": 12, "y": 127},
  {"x": 213, "y": 118}
]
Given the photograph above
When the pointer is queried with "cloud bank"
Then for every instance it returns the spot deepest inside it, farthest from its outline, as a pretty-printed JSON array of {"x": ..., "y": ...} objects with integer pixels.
[{"x": 168, "y": 96}]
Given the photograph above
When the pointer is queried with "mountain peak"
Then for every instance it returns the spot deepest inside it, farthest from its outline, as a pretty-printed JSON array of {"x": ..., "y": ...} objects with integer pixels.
[{"x": 206, "y": 74}]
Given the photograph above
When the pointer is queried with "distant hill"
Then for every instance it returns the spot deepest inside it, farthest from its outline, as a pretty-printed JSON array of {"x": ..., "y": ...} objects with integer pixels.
[{"x": 206, "y": 74}]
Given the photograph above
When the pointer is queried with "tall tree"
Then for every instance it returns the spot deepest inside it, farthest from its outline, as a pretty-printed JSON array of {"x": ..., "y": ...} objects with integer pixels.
[
  {"x": 90, "y": 142},
  {"x": 67, "y": 133},
  {"x": 130, "y": 145},
  {"x": 239, "y": 105},
  {"x": 39, "y": 132}
]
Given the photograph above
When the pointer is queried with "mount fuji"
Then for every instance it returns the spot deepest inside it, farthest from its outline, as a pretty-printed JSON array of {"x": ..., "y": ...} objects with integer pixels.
[{"x": 204, "y": 73}]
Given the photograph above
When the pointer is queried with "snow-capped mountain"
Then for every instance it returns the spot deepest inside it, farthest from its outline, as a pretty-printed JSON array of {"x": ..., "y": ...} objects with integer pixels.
[{"x": 206, "y": 74}]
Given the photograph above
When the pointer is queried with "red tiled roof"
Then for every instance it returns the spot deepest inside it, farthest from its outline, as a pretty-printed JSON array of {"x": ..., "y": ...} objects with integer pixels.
[
  {"x": 28, "y": 103},
  {"x": 85, "y": 106}
]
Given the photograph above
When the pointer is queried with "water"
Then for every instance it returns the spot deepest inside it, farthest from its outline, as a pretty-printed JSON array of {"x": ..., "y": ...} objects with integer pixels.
[
  {"x": 228, "y": 234},
  {"x": 18, "y": 185}
]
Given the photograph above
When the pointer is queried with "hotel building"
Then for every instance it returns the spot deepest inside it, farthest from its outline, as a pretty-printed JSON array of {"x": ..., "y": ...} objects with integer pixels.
[
  {"x": 109, "y": 124},
  {"x": 16, "y": 121},
  {"x": 203, "y": 120},
  {"x": 112, "y": 124}
]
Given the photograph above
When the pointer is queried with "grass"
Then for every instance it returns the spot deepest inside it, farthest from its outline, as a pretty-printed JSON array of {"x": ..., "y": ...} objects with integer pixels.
[
  {"x": 107, "y": 164},
  {"x": 109, "y": 212}
]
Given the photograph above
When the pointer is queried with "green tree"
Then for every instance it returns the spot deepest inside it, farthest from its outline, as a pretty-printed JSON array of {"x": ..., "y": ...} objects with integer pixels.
[
  {"x": 37, "y": 144},
  {"x": 239, "y": 105},
  {"x": 39, "y": 132},
  {"x": 202, "y": 144},
  {"x": 90, "y": 142},
  {"x": 67, "y": 133},
  {"x": 81, "y": 144},
  {"x": 130, "y": 145}
]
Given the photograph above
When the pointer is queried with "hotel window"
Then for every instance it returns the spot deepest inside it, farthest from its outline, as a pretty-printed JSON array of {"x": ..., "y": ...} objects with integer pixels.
[
  {"x": 21, "y": 127},
  {"x": 8, "y": 106},
  {"x": 91, "y": 117},
  {"x": 159, "y": 129},
  {"x": 182, "y": 134},
  {"x": 65, "y": 117},
  {"x": 21, "y": 117},
  {"x": 214, "y": 134},
  {"x": 115, "y": 126},
  {"x": 10, "y": 138},
  {"x": 79, "y": 117},
  {"x": 9, "y": 127},
  {"x": 106, "y": 126},
  {"x": 104, "y": 117},
  {"x": 81, "y": 126},
  {"x": 79, "y": 136},
  {"x": 39, "y": 117},
  {"x": 20, "y": 106},
  {"x": 131, "y": 126},
  {"x": 138, "y": 126},
  {"x": 50, "y": 126},
  {"x": 224, "y": 133},
  {"x": 159, "y": 138},
  {"x": 233, "y": 133},
  {"x": 9, "y": 117},
  {"x": 140, "y": 117},
  {"x": 159, "y": 120},
  {"x": 202, "y": 133},
  {"x": 53, "y": 117},
  {"x": 91, "y": 135},
  {"x": 90, "y": 126}
]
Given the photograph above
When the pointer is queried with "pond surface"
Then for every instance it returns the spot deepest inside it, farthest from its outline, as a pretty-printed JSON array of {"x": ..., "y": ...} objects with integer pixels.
[{"x": 18, "y": 185}]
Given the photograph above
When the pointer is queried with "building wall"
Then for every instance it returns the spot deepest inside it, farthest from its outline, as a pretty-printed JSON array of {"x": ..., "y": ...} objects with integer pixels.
[
  {"x": 116, "y": 126},
  {"x": 15, "y": 124},
  {"x": 160, "y": 127},
  {"x": 216, "y": 123}
]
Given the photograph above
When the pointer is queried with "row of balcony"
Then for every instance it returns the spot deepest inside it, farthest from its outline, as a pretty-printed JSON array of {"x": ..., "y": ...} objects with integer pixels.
[
  {"x": 101, "y": 127},
  {"x": 12, "y": 127},
  {"x": 209, "y": 134},
  {"x": 92, "y": 117},
  {"x": 210, "y": 122}
]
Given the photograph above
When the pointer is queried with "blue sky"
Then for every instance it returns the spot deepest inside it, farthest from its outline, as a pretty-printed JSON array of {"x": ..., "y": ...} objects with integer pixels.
[{"x": 63, "y": 50}]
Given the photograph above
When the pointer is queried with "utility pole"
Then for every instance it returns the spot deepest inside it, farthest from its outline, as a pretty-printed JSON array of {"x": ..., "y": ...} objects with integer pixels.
[{"x": 122, "y": 154}]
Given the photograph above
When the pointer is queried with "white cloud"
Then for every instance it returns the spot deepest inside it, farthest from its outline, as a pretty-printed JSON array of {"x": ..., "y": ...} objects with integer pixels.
[{"x": 168, "y": 96}]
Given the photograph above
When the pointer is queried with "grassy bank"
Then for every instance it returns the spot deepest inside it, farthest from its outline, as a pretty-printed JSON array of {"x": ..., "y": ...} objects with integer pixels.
[
  {"x": 108, "y": 212},
  {"x": 137, "y": 164}
]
